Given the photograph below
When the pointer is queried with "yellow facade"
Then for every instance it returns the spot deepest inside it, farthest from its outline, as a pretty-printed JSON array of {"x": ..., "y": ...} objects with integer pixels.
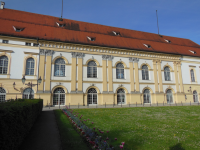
[{"x": 77, "y": 96}]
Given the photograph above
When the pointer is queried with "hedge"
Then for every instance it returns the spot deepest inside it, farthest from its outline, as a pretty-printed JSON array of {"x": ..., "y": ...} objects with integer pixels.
[{"x": 16, "y": 119}]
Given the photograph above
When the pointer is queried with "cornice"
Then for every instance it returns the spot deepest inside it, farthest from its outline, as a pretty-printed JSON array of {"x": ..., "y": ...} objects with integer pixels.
[
  {"x": 106, "y": 51},
  {"x": 6, "y": 51},
  {"x": 31, "y": 53}
]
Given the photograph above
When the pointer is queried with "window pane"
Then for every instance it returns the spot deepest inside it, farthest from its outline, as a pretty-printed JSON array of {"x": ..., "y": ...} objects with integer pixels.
[
  {"x": 59, "y": 67},
  {"x": 89, "y": 98},
  {"x": 192, "y": 75},
  {"x": 55, "y": 99},
  {"x": 147, "y": 74},
  {"x": 62, "y": 99},
  {"x": 94, "y": 98},
  {"x": 56, "y": 71},
  {"x": 118, "y": 99},
  {"x": 30, "y": 66},
  {"x": 4, "y": 70},
  {"x": 94, "y": 72},
  {"x": 3, "y": 64}
]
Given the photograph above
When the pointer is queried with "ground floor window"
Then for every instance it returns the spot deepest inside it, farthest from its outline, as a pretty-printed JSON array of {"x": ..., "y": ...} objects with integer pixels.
[
  {"x": 169, "y": 96},
  {"x": 2, "y": 94},
  {"x": 147, "y": 96},
  {"x": 28, "y": 93},
  {"x": 195, "y": 96},
  {"x": 92, "y": 96},
  {"x": 59, "y": 96},
  {"x": 121, "y": 96}
]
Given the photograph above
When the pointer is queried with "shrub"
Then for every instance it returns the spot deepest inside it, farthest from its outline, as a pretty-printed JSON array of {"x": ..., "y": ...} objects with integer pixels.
[{"x": 16, "y": 119}]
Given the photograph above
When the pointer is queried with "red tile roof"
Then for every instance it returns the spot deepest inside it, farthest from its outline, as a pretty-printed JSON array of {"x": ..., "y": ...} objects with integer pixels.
[{"x": 45, "y": 28}]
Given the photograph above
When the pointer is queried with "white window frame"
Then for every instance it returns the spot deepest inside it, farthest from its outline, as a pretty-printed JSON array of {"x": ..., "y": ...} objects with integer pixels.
[
  {"x": 31, "y": 70},
  {"x": 61, "y": 67},
  {"x": 145, "y": 73},
  {"x": 192, "y": 75},
  {"x": 92, "y": 68},
  {"x": 167, "y": 74},
  {"x": 120, "y": 71}
]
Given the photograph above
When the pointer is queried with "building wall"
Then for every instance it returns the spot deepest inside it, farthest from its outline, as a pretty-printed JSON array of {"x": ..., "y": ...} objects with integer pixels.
[{"x": 76, "y": 83}]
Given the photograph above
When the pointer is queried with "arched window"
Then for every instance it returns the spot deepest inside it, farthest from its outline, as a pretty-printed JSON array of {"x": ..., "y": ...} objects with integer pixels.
[
  {"x": 169, "y": 96},
  {"x": 30, "y": 63},
  {"x": 145, "y": 72},
  {"x": 92, "y": 96},
  {"x": 92, "y": 69},
  {"x": 3, "y": 64},
  {"x": 192, "y": 75},
  {"x": 195, "y": 96},
  {"x": 121, "y": 96},
  {"x": 28, "y": 93},
  {"x": 146, "y": 96},
  {"x": 59, "y": 96},
  {"x": 2, "y": 94},
  {"x": 167, "y": 73},
  {"x": 59, "y": 68},
  {"x": 120, "y": 71}
]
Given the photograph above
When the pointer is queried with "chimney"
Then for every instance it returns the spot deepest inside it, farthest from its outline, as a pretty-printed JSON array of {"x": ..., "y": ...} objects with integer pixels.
[{"x": 2, "y": 5}]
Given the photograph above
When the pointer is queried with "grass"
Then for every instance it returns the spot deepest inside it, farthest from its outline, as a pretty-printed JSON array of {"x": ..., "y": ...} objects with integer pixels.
[
  {"x": 149, "y": 128},
  {"x": 70, "y": 139}
]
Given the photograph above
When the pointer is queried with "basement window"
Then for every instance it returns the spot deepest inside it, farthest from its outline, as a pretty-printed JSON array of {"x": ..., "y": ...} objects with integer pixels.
[
  {"x": 192, "y": 51},
  {"x": 60, "y": 25},
  {"x": 17, "y": 29},
  {"x": 148, "y": 46},
  {"x": 116, "y": 33},
  {"x": 91, "y": 38},
  {"x": 28, "y": 44},
  {"x": 168, "y": 41}
]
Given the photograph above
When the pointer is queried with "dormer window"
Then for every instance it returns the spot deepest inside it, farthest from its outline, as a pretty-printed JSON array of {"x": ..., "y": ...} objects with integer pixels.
[
  {"x": 28, "y": 44},
  {"x": 168, "y": 41},
  {"x": 35, "y": 44},
  {"x": 192, "y": 51},
  {"x": 5, "y": 41},
  {"x": 116, "y": 33},
  {"x": 60, "y": 25},
  {"x": 17, "y": 29},
  {"x": 91, "y": 38},
  {"x": 148, "y": 46}
]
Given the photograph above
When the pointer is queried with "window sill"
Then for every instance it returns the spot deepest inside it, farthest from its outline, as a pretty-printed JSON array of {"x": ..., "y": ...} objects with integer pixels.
[
  {"x": 59, "y": 76},
  {"x": 194, "y": 82}
]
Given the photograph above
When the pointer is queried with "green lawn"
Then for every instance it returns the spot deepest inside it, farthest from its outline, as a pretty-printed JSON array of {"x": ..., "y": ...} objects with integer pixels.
[
  {"x": 154, "y": 128},
  {"x": 70, "y": 139}
]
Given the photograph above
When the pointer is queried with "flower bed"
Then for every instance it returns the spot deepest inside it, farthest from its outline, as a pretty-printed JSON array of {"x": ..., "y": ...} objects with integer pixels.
[{"x": 90, "y": 136}]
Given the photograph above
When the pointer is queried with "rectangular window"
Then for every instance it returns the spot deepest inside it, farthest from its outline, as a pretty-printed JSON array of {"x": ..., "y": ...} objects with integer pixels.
[
  {"x": 35, "y": 44},
  {"x": 28, "y": 44},
  {"x": 5, "y": 41}
]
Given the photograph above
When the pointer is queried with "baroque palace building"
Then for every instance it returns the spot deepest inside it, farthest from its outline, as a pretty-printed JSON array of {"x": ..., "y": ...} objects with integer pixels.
[{"x": 87, "y": 64}]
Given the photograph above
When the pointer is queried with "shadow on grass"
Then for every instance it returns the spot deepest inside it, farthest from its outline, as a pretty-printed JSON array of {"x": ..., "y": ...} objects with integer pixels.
[
  {"x": 136, "y": 143},
  {"x": 177, "y": 147}
]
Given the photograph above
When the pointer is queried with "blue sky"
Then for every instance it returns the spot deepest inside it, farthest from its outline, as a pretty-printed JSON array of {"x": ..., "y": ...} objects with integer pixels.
[{"x": 178, "y": 18}]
